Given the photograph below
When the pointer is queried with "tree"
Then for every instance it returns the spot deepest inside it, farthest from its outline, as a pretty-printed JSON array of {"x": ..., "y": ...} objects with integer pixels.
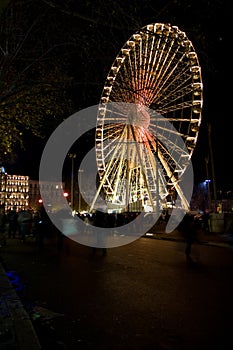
[
  {"x": 3, "y": 5},
  {"x": 34, "y": 86}
]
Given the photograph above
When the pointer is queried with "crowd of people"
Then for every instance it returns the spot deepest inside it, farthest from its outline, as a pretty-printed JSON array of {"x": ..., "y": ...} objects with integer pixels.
[{"x": 20, "y": 224}]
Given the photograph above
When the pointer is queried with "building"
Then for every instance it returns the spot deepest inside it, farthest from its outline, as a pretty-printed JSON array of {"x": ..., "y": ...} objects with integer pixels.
[
  {"x": 52, "y": 188},
  {"x": 21, "y": 192},
  {"x": 14, "y": 190},
  {"x": 34, "y": 194}
]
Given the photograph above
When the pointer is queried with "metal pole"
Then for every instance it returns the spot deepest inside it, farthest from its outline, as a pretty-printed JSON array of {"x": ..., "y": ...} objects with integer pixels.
[
  {"x": 212, "y": 166},
  {"x": 208, "y": 184},
  {"x": 72, "y": 156},
  {"x": 157, "y": 177},
  {"x": 79, "y": 190},
  {"x": 72, "y": 183}
]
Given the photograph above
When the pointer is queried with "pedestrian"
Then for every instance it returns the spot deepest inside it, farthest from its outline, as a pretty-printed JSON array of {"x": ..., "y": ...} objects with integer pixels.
[
  {"x": 38, "y": 229},
  {"x": 188, "y": 229},
  {"x": 3, "y": 222},
  {"x": 206, "y": 218},
  {"x": 100, "y": 220},
  {"x": 44, "y": 227},
  {"x": 24, "y": 221},
  {"x": 12, "y": 217},
  {"x": 62, "y": 239}
]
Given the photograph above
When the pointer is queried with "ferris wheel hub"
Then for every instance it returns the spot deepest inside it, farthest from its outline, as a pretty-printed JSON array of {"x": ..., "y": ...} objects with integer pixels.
[{"x": 139, "y": 116}]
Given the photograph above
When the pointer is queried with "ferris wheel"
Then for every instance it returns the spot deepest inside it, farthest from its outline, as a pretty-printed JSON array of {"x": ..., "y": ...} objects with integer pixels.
[{"x": 149, "y": 117}]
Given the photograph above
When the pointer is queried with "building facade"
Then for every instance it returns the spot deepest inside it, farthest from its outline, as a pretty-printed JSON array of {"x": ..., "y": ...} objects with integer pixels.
[
  {"x": 14, "y": 191},
  {"x": 23, "y": 193},
  {"x": 52, "y": 189}
]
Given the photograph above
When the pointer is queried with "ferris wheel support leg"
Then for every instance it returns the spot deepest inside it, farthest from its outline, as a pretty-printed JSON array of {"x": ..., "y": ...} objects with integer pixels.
[
  {"x": 174, "y": 181},
  {"x": 99, "y": 187},
  {"x": 182, "y": 197},
  {"x": 142, "y": 165},
  {"x": 103, "y": 180}
]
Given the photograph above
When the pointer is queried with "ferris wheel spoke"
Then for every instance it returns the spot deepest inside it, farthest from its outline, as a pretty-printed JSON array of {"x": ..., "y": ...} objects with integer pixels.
[
  {"x": 162, "y": 73},
  {"x": 158, "y": 76},
  {"x": 114, "y": 146},
  {"x": 112, "y": 133},
  {"x": 175, "y": 159},
  {"x": 169, "y": 85},
  {"x": 180, "y": 92},
  {"x": 175, "y": 108}
]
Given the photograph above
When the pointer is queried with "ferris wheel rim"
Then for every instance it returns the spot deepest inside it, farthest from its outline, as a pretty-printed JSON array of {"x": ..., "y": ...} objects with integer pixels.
[{"x": 190, "y": 71}]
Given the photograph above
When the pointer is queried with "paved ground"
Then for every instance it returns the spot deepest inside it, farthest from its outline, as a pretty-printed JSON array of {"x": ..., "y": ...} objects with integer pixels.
[
  {"x": 142, "y": 295},
  {"x": 16, "y": 328}
]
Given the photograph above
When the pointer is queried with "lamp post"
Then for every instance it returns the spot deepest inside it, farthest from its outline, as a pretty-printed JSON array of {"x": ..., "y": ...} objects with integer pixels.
[
  {"x": 207, "y": 182},
  {"x": 72, "y": 156},
  {"x": 79, "y": 191},
  {"x": 3, "y": 187},
  {"x": 212, "y": 166}
]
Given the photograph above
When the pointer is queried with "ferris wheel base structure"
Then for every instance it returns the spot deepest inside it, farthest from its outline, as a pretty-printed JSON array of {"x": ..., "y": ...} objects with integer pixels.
[{"x": 138, "y": 207}]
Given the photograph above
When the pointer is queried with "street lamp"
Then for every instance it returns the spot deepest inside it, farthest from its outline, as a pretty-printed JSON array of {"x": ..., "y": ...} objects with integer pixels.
[
  {"x": 207, "y": 182},
  {"x": 72, "y": 156},
  {"x": 79, "y": 192}
]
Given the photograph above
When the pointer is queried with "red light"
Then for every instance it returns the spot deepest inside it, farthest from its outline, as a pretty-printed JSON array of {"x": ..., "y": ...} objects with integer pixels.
[
  {"x": 40, "y": 200},
  {"x": 65, "y": 194}
]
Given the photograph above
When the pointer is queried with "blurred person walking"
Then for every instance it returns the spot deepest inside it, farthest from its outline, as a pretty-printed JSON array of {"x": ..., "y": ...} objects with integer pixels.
[
  {"x": 100, "y": 220},
  {"x": 24, "y": 221},
  {"x": 3, "y": 222},
  {"x": 188, "y": 228},
  {"x": 12, "y": 217}
]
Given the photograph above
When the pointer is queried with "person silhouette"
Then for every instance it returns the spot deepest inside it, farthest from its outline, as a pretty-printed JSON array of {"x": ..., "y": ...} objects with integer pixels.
[
  {"x": 188, "y": 229},
  {"x": 100, "y": 220},
  {"x": 12, "y": 216}
]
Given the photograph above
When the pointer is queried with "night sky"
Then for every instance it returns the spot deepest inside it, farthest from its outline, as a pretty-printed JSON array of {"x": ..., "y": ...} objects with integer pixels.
[{"x": 102, "y": 27}]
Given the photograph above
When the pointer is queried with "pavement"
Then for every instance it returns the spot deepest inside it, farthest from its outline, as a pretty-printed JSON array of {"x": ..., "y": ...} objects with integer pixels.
[
  {"x": 16, "y": 327},
  {"x": 203, "y": 236}
]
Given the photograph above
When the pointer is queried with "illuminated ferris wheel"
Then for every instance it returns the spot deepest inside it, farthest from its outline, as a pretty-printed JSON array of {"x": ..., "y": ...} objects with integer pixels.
[{"x": 149, "y": 117}]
